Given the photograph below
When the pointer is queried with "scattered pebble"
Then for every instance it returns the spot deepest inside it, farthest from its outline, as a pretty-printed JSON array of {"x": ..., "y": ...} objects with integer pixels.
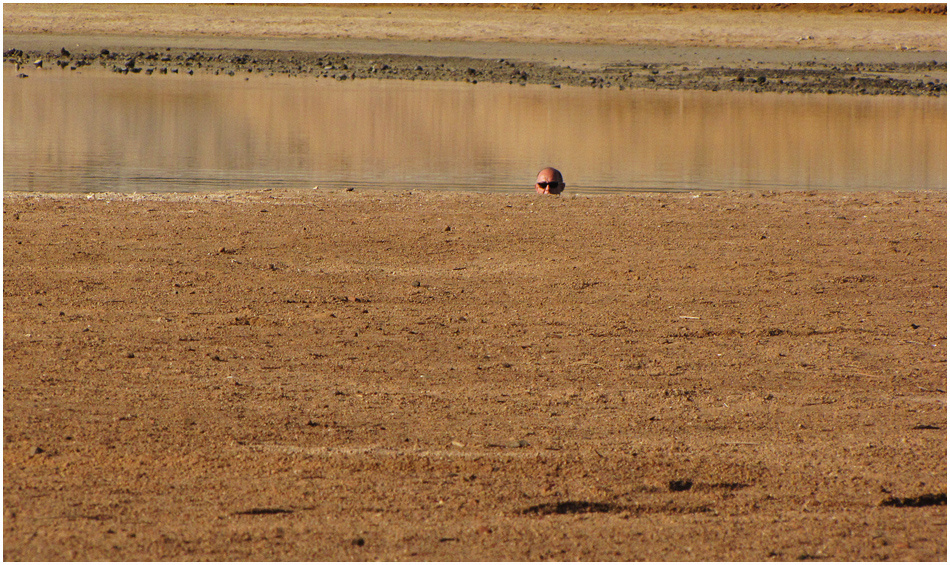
[{"x": 680, "y": 485}]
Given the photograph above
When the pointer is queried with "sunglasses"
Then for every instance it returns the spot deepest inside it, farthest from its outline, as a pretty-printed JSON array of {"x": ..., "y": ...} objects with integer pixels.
[{"x": 552, "y": 184}]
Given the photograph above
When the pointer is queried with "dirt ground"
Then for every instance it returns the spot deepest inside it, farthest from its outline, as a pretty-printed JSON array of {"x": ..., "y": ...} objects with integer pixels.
[
  {"x": 439, "y": 376},
  {"x": 852, "y": 26},
  {"x": 384, "y": 375}
]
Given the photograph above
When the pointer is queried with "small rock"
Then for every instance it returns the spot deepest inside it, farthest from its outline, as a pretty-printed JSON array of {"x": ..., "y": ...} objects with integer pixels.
[
  {"x": 416, "y": 284},
  {"x": 680, "y": 485}
]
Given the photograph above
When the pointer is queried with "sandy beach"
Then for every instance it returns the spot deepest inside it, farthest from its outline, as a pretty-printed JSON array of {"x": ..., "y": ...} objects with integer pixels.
[{"x": 438, "y": 376}]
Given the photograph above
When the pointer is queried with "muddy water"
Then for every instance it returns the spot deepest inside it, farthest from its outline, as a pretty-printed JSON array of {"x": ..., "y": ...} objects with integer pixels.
[{"x": 97, "y": 131}]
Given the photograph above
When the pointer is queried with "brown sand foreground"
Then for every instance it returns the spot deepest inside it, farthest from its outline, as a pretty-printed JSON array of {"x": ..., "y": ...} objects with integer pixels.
[{"x": 443, "y": 376}]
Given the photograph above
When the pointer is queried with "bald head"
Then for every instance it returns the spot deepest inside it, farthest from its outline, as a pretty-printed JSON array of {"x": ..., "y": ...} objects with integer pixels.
[{"x": 549, "y": 181}]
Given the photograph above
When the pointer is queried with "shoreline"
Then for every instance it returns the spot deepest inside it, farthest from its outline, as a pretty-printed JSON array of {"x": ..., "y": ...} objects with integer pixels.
[
  {"x": 659, "y": 68},
  {"x": 302, "y": 195},
  {"x": 866, "y": 49}
]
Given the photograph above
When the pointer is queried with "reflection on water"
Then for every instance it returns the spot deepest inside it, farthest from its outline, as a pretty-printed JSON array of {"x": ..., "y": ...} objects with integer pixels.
[{"x": 92, "y": 131}]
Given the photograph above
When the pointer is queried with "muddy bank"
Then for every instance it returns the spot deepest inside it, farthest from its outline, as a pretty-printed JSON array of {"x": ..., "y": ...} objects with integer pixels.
[{"x": 841, "y": 74}]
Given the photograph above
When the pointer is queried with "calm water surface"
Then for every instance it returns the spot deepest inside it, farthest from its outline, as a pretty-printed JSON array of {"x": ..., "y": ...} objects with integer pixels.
[{"x": 96, "y": 131}]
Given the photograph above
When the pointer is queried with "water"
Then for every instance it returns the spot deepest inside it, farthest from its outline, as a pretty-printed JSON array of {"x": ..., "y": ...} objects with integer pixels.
[{"x": 95, "y": 131}]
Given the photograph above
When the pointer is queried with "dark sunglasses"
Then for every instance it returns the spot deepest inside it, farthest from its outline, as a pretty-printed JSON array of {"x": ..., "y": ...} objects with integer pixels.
[{"x": 552, "y": 184}]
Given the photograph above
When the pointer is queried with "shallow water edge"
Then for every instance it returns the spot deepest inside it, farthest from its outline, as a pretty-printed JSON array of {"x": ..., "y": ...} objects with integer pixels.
[{"x": 94, "y": 131}]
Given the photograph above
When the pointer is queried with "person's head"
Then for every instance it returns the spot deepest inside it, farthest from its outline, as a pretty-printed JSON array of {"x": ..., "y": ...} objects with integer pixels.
[{"x": 549, "y": 181}]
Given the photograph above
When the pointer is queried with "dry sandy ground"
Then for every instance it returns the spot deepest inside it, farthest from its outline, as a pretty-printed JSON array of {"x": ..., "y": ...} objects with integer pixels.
[
  {"x": 384, "y": 375},
  {"x": 410, "y": 376},
  {"x": 816, "y": 28}
]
